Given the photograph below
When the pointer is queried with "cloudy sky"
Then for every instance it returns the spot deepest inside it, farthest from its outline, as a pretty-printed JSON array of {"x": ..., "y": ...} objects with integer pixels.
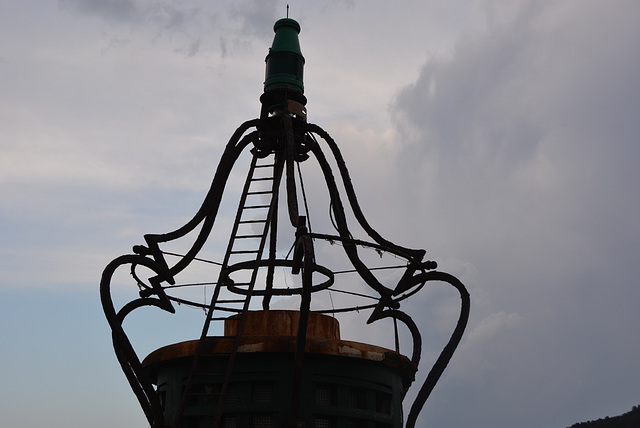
[{"x": 501, "y": 136}]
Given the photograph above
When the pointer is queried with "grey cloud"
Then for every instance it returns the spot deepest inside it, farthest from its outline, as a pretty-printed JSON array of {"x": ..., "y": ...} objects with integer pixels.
[
  {"x": 165, "y": 14},
  {"x": 193, "y": 27},
  {"x": 525, "y": 145},
  {"x": 257, "y": 17},
  {"x": 109, "y": 10},
  {"x": 159, "y": 18}
]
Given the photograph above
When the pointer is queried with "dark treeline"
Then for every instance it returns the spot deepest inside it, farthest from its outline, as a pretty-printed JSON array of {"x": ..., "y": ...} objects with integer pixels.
[{"x": 627, "y": 420}]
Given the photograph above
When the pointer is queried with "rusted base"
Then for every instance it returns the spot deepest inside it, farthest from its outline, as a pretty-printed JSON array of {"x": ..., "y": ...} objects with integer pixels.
[
  {"x": 341, "y": 382},
  {"x": 274, "y": 331}
]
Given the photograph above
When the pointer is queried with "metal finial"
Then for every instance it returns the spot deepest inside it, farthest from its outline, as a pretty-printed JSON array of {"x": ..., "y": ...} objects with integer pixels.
[{"x": 287, "y": 10}]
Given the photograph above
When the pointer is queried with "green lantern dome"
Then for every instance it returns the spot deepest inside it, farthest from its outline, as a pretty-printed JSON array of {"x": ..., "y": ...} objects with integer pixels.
[{"x": 285, "y": 62}]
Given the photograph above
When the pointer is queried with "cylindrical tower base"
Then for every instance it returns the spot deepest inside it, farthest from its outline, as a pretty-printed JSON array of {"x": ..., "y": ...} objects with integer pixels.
[{"x": 343, "y": 384}]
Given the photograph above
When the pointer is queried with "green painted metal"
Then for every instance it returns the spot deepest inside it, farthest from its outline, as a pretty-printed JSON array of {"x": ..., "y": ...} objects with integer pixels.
[{"x": 285, "y": 63}]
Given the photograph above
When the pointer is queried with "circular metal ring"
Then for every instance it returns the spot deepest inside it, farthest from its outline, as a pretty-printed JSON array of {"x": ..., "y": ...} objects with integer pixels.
[{"x": 250, "y": 265}]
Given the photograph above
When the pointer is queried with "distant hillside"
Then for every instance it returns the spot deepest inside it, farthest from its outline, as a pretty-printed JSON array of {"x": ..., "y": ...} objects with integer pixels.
[{"x": 627, "y": 420}]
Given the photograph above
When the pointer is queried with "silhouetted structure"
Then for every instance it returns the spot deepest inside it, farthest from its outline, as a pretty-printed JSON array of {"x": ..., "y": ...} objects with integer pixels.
[
  {"x": 630, "y": 419},
  {"x": 266, "y": 367}
]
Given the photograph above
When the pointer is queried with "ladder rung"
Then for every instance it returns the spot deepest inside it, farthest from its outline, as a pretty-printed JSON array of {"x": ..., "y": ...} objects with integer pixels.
[
  {"x": 262, "y": 192},
  {"x": 265, "y": 165},
  {"x": 251, "y": 221},
  {"x": 218, "y": 308},
  {"x": 230, "y": 310},
  {"x": 241, "y": 284},
  {"x": 244, "y": 252},
  {"x": 250, "y": 207},
  {"x": 262, "y": 179},
  {"x": 248, "y": 236}
]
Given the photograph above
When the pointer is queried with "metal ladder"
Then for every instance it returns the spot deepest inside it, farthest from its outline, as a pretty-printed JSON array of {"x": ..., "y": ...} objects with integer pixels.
[{"x": 241, "y": 248}]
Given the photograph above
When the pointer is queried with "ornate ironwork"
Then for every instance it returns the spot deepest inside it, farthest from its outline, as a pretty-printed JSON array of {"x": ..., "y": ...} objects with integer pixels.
[{"x": 283, "y": 137}]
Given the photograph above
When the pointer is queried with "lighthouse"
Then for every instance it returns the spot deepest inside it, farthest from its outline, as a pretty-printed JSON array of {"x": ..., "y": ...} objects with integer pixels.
[{"x": 277, "y": 278}]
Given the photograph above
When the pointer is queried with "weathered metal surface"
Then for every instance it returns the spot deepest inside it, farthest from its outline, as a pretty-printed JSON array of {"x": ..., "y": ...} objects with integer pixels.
[
  {"x": 282, "y": 344},
  {"x": 282, "y": 323}
]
